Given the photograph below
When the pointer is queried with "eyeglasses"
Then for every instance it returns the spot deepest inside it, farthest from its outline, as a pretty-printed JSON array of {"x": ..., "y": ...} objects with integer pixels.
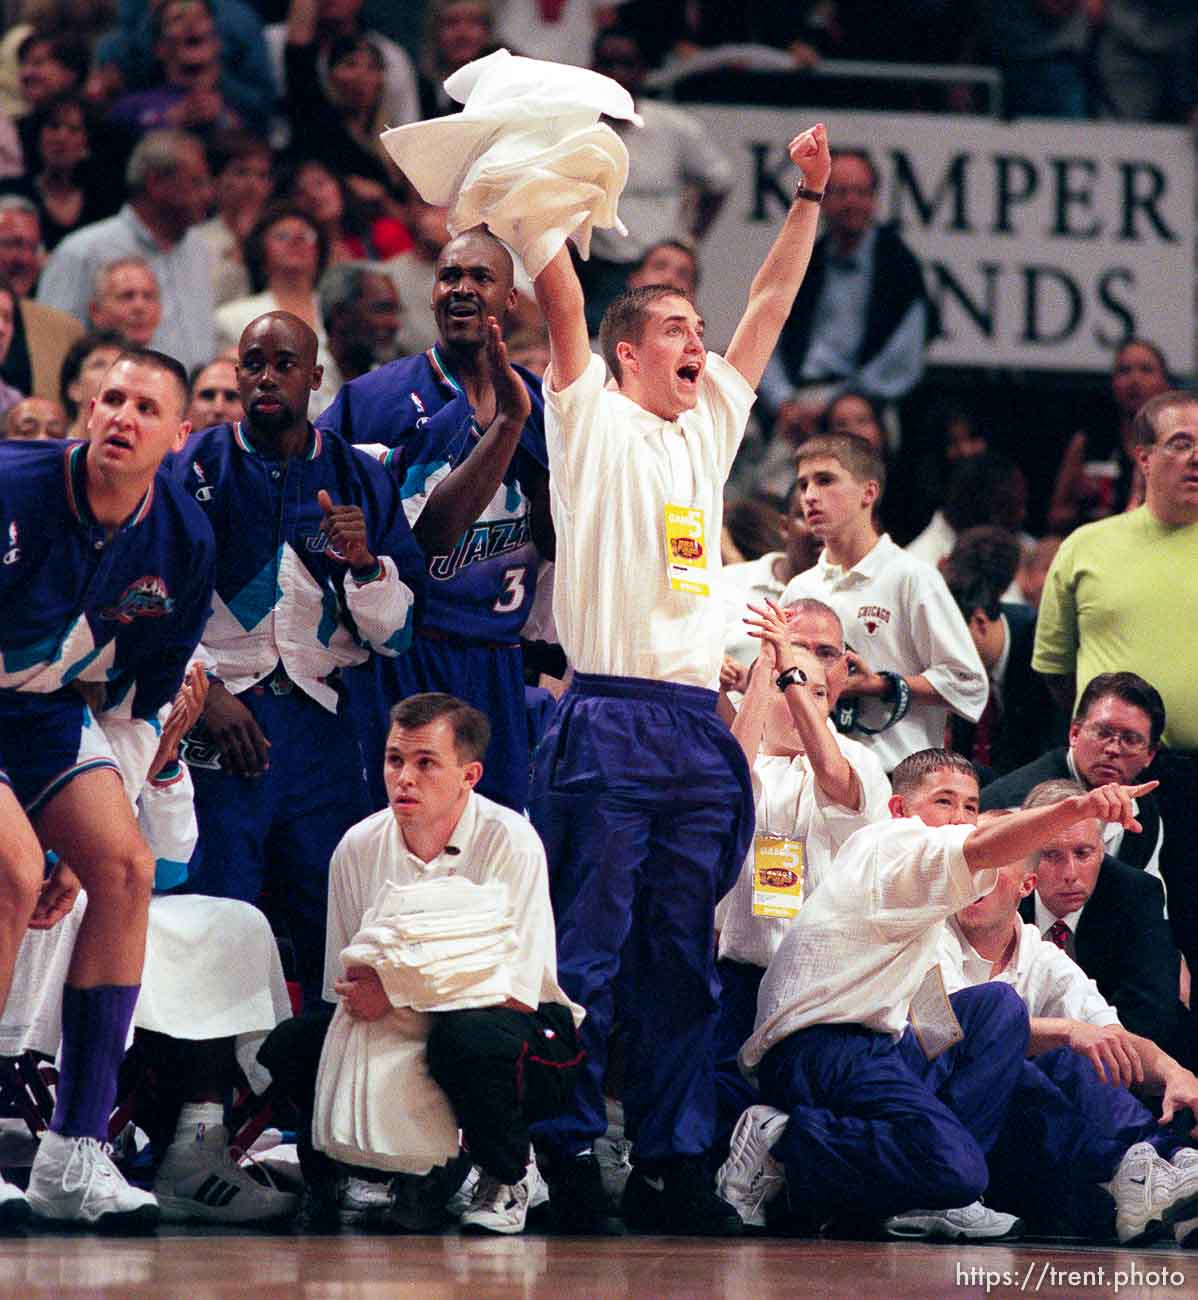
[
  {"x": 1130, "y": 742},
  {"x": 1181, "y": 445},
  {"x": 16, "y": 244}
]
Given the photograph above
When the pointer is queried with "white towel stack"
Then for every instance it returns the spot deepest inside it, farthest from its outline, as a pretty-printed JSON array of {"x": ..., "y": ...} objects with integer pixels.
[{"x": 438, "y": 945}]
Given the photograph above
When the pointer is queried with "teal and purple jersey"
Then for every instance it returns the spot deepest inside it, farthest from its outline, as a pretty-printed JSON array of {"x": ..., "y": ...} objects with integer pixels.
[
  {"x": 280, "y": 596},
  {"x": 124, "y": 607},
  {"x": 415, "y": 416}
]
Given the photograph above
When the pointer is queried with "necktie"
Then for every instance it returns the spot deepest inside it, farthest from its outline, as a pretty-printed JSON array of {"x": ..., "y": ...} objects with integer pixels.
[
  {"x": 1058, "y": 932},
  {"x": 983, "y": 734},
  {"x": 551, "y": 10}
]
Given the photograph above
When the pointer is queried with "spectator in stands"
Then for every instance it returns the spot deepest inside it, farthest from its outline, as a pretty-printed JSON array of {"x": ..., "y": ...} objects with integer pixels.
[
  {"x": 1019, "y": 720},
  {"x": 127, "y": 299},
  {"x": 338, "y": 21},
  {"x": 126, "y": 58},
  {"x": 413, "y": 271},
  {"x": 1098, "y": 476},
  {"x": 1113, "y": 737},
  {"x": 62, "y": 179},
  {"x": 275, "y": 761},
  {"x": 479, "y": 506},
  {"x": 215, "y": 397},
  {"x": 169, "y": 191},
  {"x": 750, "y": 531},
  {"x": 354, "y": 229},
  {"x": 812, "y": 789},
  {"x": 187, "y": 95},
  {"x": 562, "y": 32},
  {"x": 895, "y": 610},
  {"x": 873, "y": 1069},
  {"x": 33, "y": 419},
  {"x": 856, "y": 415},
  {"x": 1040, "y": 49},
  {"x": 9, "y": 396},
  {"x": 242, "y": 176},
  {"x": 1082, "y": 1064},
  {"x": 337, "y": 120},
  {"x": 456, "y": 32},
  {"x": 503, "y": 1065},
  {"x": 670, "y": 261},
  {"x": 1034, "y": 562},
  {"x": 361, "y": 313},
  {"x": 678, "y": 178},
  {"x": 1108, "y": 917},
  {"x": 986, "y": 489},
  {"x": 1122, "y": 595},
  {"x": 1142, "y": 60},
  {"x": 41, "y": 335},
  {"x": 861, "y": 320},
  {"x": 84, "y": 365},
  {"x": 52, "y": 63}
]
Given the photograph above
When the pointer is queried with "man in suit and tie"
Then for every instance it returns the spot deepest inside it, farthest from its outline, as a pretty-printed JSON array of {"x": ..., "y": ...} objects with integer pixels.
[
  {"x": 1017, "y": 725},
  {"x": 1109, "y": 918},
  {"x": 1113, "y": 737},
  {"x": 42, "y": 335}
]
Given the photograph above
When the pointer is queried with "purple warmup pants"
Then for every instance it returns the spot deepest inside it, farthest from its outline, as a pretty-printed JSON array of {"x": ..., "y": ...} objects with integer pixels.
[
  {"x": 1066, "y": 1132},
  {"x": 876, "y": 1129},
  {"x": 643, "y": 800}
]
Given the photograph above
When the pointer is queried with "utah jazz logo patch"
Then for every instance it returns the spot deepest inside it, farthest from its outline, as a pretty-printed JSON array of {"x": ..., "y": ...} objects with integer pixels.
[{"x": 146, "y": 597}]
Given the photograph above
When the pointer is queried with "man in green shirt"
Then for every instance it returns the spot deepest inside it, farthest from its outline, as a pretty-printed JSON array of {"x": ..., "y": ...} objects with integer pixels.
[{"x": 1122, "y": 596}]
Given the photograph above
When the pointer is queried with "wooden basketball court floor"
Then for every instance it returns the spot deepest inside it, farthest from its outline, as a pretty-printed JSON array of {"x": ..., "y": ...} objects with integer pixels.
[{"x": 203, "y": 1265}]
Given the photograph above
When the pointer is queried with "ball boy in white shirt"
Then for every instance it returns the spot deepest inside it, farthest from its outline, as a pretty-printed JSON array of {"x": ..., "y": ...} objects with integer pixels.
[
  {"x": 812, "y": 789},
  {"x": 912, "y": 656},
  {"x": 641, "y": 794},
  {"x": 891, "y": 1093}
]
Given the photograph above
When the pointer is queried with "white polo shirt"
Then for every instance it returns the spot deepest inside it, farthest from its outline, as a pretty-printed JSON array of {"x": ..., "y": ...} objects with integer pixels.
[
  {"x": 1047, "y": 979},
  {"x": 898, "y": 616},
  {"x": 489, "y": 843},
  {"x": 613, "y": 467},
  {"x": 790, "y": 803},
  {"x": 858, "y": 952}
]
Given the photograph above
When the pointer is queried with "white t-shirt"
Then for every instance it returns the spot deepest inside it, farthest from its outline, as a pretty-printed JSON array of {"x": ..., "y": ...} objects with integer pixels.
[
  {"x": 790, "y": 803},
  {"x": 613, "y": 467},
  {"x": 489, "y": 843},
  {"x": 1047, "y": 979},
  {"x": 898, "y": 616},
  {"x": 857, "y": 953}
]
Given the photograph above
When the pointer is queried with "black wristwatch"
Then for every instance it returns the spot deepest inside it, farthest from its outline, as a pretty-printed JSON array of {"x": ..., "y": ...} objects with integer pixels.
[{"x": 791, "y": 677}]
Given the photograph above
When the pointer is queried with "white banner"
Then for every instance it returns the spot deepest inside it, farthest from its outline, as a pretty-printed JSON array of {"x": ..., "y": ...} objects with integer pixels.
[{"x": 1044, "y": 244}]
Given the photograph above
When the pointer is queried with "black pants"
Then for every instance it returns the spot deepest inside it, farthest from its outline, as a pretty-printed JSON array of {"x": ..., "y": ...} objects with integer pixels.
[{"x": 502, "y": 1070}]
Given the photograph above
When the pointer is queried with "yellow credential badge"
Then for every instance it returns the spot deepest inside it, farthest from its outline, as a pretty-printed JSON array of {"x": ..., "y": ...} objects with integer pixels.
[
  {"x": 686, "y": 550},
  {"x": 777, "y": 876}
]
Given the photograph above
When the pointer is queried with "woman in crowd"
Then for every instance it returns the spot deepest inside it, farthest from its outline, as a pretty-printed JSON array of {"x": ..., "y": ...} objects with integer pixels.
[
  {"x": 456, "y": 33},
  {"x": 1098, "y": 475},
  {"x": 353, "y": 230},
  {"x": 61, "y": 176}
]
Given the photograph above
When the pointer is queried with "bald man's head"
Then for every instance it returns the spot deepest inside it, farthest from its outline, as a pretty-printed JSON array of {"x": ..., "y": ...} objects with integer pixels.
[
  {"x": 277, "y": 372},
  {"x": 474, "y": 279}
]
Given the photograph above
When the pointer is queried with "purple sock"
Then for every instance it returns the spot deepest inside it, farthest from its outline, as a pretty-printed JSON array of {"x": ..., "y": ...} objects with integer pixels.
[{"x": 95, "y": 1024}]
